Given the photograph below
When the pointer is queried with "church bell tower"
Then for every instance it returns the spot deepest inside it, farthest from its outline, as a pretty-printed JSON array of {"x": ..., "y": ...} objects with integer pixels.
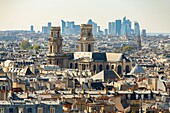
[
  {"x": 86, "y": 40},
  {"x": 55, "y": 55}
]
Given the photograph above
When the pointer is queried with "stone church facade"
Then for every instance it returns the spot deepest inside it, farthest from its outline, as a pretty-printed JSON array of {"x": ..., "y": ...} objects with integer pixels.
[{"x": 85, "y": 58}]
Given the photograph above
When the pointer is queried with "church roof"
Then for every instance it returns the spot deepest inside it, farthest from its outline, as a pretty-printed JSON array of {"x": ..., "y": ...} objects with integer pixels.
[{"x": 99, "y": 56}]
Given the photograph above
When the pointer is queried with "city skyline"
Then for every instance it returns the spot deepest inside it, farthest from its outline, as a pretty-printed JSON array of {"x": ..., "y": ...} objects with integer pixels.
[{"x": 21, "y": 14}]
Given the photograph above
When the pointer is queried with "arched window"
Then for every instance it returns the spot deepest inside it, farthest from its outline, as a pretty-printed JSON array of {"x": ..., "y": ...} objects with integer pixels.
[
  {"x": 49, "y": 61},
  {"x": 89, "y": 34},
  {"x": 81, "y": 47},
  {"x": 119, "y": 69},
  {"x": 50, "y": 48},
  {"x": 127, "y": 69},
  {"x": 94, "y": 68},
  {"x": 100, "y": 67},
  {"x": 112, "y": 66},
  {"x": 58, "y": 34},
  {"x": 107, "y": 67},
  {"x": 76, "y": 65},
  {"x": 71, "y": 65},
  {"x": 83, "y": 67},
  {"x": 89, "y": 47}
]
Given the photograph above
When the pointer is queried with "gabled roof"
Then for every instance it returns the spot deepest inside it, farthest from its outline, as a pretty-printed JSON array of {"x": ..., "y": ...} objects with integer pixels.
[{"x": 106, "y": 75}]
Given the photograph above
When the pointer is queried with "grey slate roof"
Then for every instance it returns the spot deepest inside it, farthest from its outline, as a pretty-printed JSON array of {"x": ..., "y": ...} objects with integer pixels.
[
  {"x": 106, "y": 75},
  {"x": 99, "y": 56}
]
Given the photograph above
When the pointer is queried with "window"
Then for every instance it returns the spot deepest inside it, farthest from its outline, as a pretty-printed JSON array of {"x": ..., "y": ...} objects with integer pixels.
[
  {"x": 100, "y": 67},
  {"x": 89, "y": 34},
  {"x": 127, "y": 69},
  {"x": 29, "y": 110},
  {"x": 112, "y": 66},
  {"x": 49, "y": 61},
  {"x": 71, "y": 65},
  {"x": 52, "y": 110},
  {"x": 40, "y": 110},
  {"x": 10, "y": 110},
  {"x": 81, "y": 47},
  {"x": 119, "y": 70},
  {"x": 94, "y": 68},
  {"x": 76, "y": 65},
  {"x": 1, "y": 110},
  {"x": 107, "y": 67},
  {"x": 89, "y": 47},
  {"x": 83, "y": 67},
  {"x": 50, "y": 48}
]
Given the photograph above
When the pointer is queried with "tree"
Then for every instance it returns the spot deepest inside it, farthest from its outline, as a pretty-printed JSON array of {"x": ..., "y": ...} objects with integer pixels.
[
  {"x": 127, "y": 48},
  {"x": 25, "y": 45},
  {"x": 36, "y": 47}
]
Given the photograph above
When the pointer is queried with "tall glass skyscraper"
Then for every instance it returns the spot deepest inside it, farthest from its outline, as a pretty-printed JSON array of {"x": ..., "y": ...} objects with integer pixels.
[
  {"x": 118, "y": 27},
  {"x": 94, "y": 26},
  {"x": 32, "y": 29},
  {"x": 49, "y": 27},
  {"x": 111, "y": 28},
  {"x": 63, "y": 26},
  {"x": 126, "y": 27},
  {"x": 143, "y": 32}
]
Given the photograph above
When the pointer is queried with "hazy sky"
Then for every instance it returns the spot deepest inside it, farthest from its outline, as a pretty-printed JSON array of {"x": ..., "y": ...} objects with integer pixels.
[{"x": 154, "y": 15}]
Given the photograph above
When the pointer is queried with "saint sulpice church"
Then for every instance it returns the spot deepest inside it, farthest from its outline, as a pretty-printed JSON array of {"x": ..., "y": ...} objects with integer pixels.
[{"x": 85, "y": 58}]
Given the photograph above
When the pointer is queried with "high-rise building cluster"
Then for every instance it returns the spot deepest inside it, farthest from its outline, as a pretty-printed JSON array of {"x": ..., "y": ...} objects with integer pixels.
[
  {"x": 69, "y": 28},
  {"x": 115, "y": 28},
  {"x": 46, "y": 29},
  {"x": 124, "y": 28}
]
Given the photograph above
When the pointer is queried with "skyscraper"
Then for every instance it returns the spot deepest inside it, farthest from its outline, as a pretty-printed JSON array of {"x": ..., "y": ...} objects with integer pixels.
[
  {"x": 72, "y": 24},
  {"x": 94, "y": 26},
  {"x": 126, "y": 27},
  {"x": 90, "y": 22},
  {"x": 137, "y": 29},
  {"x": 106, "y": 31},
  {"x": 143, "y": 32},
  {"x": 32, "y": 29},
  {"x": 98, "y": 29},
  {"x": 69, "y": 28},
  {"x": 49, "y": 27},
  {"x": 77, "y": 29},
  {"x": 118, "y": 28},
  {"x": 111, "y": 28},
  {"x": 44, "y": 29},
  {"x": 129, "y": 27},
  {"x": 63, "y": 26}
]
